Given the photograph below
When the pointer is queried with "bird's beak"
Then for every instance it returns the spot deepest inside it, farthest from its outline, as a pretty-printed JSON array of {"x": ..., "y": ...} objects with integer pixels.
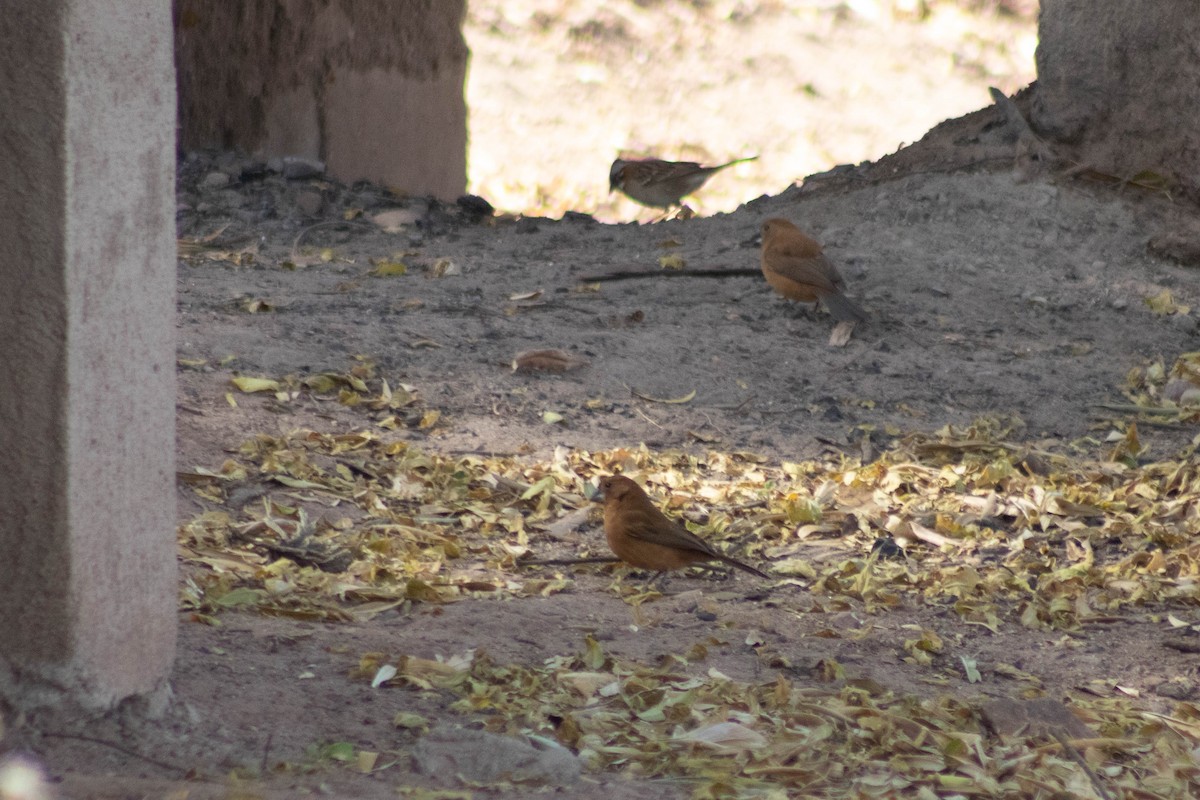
[
  {"x": 594, "y": 493},
  {"x": 615, "y": 179}
]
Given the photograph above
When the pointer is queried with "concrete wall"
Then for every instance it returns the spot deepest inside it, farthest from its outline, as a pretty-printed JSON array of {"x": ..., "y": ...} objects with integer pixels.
[
  {"x": 87, "y": 543},
  {"x": 1119, "y": 82},
  {"x": 374, "y": 89}
]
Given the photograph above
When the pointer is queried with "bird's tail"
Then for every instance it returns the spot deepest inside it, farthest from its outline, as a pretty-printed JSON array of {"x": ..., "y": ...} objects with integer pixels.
[
  {"x": 735, "y": 161},
  {"x": 843, "y": 308},
  {"x": 735, "y": 563}
]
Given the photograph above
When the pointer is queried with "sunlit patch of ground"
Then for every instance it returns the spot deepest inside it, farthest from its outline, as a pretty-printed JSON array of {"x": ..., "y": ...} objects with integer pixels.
[{"x": 558, "y": 88}]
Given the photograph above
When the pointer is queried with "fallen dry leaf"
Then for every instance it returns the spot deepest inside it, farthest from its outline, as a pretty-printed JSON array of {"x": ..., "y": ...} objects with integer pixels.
[
  {"x": 840, "y": 335},
  {"x": 547, "y": 361}
]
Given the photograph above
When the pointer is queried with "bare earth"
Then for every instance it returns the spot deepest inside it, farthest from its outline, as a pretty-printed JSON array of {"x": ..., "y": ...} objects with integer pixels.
[{"x": 995, "y": 291}]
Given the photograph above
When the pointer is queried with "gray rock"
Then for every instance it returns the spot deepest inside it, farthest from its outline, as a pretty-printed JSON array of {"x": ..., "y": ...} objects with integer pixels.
[
  {"x": 215, "y": 180},
  {"x": 479, "y": 757},
  {"x": 296, "y": 168},
  {"x": 1184, "y": 322},
  {"x": 309, "y": 202}
]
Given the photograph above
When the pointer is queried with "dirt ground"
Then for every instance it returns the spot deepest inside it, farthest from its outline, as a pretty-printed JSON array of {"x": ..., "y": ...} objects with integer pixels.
[{"x": 996, "y": 289}]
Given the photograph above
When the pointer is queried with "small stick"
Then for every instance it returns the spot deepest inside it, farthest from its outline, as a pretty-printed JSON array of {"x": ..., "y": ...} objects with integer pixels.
[
  {"x": 262, "y": 767},
  {"x": 543, "y": 562},
  {"x": 119, "y": 748},
  {"x": 1133, "y": 408},
  {"x": 623, "y": 275},
  {"x": 1078, "y": 758}
]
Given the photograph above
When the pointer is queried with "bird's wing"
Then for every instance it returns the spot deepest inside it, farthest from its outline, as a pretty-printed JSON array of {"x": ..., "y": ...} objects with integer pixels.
[
  {"x": 659, "y": 171},
  {"x": 659, "y": 529},
  {"x": 810, "y": 269}
]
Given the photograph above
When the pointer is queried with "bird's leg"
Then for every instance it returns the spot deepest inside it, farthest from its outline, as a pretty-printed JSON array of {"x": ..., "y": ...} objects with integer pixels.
[
  {"x": 805, "y": 312},
  {"x": 660, "y": 575}
]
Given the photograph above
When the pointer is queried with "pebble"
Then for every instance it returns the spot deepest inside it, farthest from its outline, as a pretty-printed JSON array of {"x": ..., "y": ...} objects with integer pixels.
[
  {"x": 296, "y": 168},
  {"x": 479, "y": 757},
  {"x": 1183, "y": 322},
  {"x": 215, "y": 180},
  {"x": 309, "y": 202}
]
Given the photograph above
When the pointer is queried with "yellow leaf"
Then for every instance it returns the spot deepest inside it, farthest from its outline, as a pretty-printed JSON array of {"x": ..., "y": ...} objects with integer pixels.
[
  {"x": 248, "y": 385},
  {"x": 385, "y": 269},
  {"x": 365, "y": 762},
  {"x": 687, "y": 398},
  {"x": 1164, "y": 304},
  {"x": 444, "y": 266},
  {"x": 409, "y": 721},
  {"x": 593, "y": 655},
  {"x": 322, "y": 383},
  {"x": 671, "y": 262}
]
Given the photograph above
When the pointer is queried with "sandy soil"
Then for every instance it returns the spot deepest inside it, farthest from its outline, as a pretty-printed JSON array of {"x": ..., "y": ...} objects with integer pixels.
[
  {"x": 994, "y": 290},
  {"x": 803, "y": 84}
]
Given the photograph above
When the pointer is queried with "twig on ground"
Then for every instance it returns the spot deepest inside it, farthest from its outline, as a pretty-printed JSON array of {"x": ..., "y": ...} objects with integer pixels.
[
  {"x": 119, "y": 748},
  {"x": 624, "y": 275}
]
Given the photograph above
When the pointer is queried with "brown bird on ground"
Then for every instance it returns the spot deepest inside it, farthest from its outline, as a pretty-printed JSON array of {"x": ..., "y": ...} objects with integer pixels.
[
  {"x": 796, "y": 268},
  {"x": 661, "y": 184},
  {"x": 643, "y": 536}
]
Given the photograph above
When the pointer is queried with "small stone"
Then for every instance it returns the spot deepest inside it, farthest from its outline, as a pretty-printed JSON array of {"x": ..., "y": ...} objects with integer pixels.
[
  {"x": 478, "y": 757},
  {"x": 475, "y": 206},
  {"x": 295, "y": 168},
  {"x": 1037, "y": 717},
  {"x": 1183, "y": 322},
  {"x": 215, "y": 180},
  {"x": 309, "y": 202},
  {"x": 230, "y": 198},
  {"x": 577, "y": 216},
  {"x": 1176, "y": 689},
  {"x": 395, "y": 220},
  {"x": 526, "y": 225},
  {"x": 251, "y": 169}
]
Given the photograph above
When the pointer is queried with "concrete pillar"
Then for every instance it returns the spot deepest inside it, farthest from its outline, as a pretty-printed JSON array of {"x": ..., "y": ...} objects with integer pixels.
[
  {"x": 88, "y": 584},
  {"x": 374, "y": 89}
]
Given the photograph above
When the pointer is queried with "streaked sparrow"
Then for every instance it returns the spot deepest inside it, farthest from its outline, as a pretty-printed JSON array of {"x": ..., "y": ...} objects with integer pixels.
[{"x": 661, "y": 184}]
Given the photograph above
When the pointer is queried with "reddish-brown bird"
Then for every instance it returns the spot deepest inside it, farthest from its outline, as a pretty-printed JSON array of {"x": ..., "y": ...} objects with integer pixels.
[
  {"x": 796, "y": 268},
  {"x": 643, "y": 536}
]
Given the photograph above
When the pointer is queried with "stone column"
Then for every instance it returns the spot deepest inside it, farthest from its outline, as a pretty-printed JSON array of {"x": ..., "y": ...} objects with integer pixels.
[{"x": 88, "y": 584}]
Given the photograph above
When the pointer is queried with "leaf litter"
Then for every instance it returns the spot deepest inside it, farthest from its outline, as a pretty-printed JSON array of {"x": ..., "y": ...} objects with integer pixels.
[{"x": 996, "y": 533}]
